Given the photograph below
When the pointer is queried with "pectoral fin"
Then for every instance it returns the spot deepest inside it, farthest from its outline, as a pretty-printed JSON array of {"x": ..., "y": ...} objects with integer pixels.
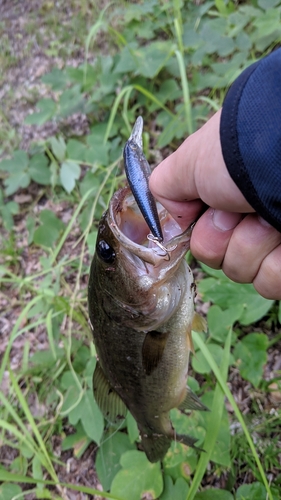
[
  {"x": 192, "y": 402},
  {"x": 153, "y": 349},
  {"x": 109, "y": 402},
  {"x": 199, "y": 324}
]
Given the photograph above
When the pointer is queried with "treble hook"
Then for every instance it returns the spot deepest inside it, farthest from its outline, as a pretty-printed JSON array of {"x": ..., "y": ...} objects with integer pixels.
[{"x": 166, "y": 253}]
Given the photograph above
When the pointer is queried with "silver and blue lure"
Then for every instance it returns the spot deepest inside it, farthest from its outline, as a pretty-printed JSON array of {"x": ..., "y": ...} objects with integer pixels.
[{"x": 138, "y": 171}]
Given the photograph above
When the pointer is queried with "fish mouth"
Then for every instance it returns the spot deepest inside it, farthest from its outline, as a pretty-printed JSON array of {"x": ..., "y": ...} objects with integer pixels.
[{"x": 133, "y": 234}]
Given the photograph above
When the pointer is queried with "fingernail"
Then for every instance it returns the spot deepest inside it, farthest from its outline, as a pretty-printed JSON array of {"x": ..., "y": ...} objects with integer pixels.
[{"x": 224, "y": 221}]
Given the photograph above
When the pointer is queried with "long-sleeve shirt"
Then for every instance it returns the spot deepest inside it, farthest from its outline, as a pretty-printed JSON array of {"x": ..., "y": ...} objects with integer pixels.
[{"x": 250, "y": 132}]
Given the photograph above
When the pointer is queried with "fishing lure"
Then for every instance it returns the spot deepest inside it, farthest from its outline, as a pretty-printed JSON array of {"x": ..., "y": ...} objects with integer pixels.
[{"x": 138, "y": 171}]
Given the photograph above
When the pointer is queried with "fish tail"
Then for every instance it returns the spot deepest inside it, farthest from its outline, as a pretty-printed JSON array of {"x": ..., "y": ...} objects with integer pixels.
[{"x": 155, "y": 446}]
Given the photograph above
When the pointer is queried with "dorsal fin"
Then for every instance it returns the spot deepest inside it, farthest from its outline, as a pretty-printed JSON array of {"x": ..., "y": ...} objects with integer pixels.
[
  {"x": 109, "y": 402},
  {"x": 153, "y": 349}
]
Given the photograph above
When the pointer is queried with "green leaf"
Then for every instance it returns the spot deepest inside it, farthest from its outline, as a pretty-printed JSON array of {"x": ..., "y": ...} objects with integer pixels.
[
  {"x": 71, "y": 101},
  {"x": 16, "y": 164},
  {"x": 30, "y": 226},
  {"x": 219, "y": 322},
  {"x": 132, "y": 428},
  {"x": 48, "y": 109},
  {"x": 58, "y": 147},
  {"x": 48, "y": 218},
  {"x": 137, "y": 477},
  {"x": 46, "y": 234},
  {"x": 267, "y": 23},
  {"x": 254, "y": 491},
  {"x": 91, "y": 241},
  {"x": 108, "y": 457},
  {"x": 56, "y": 78},
  {"x": 8, "y": 210},
  {"x": 151, "y": 58},
  {"x": 169, "y": 91},
  {"x": 97, "y": 152},
  {"x": 199, "y": 363},
  {"x": 251, "y": 356},
  {"x": 268, "y": 4},
  {"x": 38, "y": 169},
  {"x": 176, "y": 491},
  {"x": 79, "y": 441},
  {"x": 8, "y": 491},
  {"x": 127, "y": 61},
  {"x": 76, "y": 150},
  {"x": 212, "y": 494},
  {"x": 91, "y": 417},
  {"x": 226, "y": 294},
  {"x": 69, "y": 173},
  {"x": 16, "y": 181},
  {"x": 221, "y": 451}
]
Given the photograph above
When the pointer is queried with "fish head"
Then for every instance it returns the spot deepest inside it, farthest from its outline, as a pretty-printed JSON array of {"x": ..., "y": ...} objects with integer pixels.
[{"x": 130, "y": 270}]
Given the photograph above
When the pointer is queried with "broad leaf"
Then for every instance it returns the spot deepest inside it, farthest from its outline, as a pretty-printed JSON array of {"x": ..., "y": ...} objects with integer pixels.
[
  {"x": 8, "y": 491},
  {"x": 58, "y": 147},
  {"x": 219, "y": 322},
  {"x": 108, "y": 457},
  {"x": 69, "y": 173},
  {"x": 251, "y": 356},
  {"x": 254, "y": 491},
  {"x": 47, "y": 110},
  {"x": 137, "y": 477},
  {"x": 227, "y": 294},
  {"x": 176, "y": 491},
  {"x": 91, "y": 417},
  {"x": 38, "y": 169}
]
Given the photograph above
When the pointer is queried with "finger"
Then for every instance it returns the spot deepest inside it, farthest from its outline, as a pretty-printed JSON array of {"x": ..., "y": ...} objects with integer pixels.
[
  {"x": 185, "y": 213},
  {"x": 251, "y": 241},
  {"x": 197, "y": 170},
  {"x": 211, "y": 235},
  {"x": 268, "y": 280}
]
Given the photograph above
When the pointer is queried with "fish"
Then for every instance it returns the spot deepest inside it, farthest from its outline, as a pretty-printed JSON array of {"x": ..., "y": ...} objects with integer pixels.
[{"x": 141, "y": 313}]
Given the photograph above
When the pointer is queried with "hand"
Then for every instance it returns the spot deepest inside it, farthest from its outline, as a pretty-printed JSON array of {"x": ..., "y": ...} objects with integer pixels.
[{"x": 229, "y": 235}]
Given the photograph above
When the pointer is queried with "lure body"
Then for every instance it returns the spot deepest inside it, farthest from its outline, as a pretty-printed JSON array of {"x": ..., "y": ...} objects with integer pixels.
[{"x": 138, "y": 171}]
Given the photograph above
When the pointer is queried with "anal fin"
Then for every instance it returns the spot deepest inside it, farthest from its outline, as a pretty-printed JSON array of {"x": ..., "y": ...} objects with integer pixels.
[
  {"x": 109, "y": 402},
  {"x": 192, "y": 402}
]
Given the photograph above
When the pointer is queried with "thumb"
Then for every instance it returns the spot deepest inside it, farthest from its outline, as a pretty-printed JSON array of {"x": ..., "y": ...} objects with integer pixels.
[{"x": 196, "y": 173}]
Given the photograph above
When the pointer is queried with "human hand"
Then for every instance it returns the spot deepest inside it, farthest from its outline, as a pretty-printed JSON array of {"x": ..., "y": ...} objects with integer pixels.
[{"x": 229, "y": 235}]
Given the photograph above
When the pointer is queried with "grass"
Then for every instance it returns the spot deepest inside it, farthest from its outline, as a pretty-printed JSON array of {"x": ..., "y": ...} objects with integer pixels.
[{"x": 49, "y": 357}]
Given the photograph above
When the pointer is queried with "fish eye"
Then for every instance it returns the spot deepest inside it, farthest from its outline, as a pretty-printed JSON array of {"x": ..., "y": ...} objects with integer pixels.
[{"x": 105, "y": 252}]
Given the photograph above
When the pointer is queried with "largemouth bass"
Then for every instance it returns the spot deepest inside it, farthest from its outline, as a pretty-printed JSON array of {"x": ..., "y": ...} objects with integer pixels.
[{"x": 141, "y": 308}]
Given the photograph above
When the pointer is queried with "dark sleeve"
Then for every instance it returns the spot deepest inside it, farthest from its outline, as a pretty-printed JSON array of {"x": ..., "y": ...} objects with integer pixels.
[{"x": 250, "y": 132}]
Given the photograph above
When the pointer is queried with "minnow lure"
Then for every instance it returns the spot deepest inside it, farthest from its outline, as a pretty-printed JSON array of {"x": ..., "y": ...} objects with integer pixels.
[{"x": 138, "y": 171}]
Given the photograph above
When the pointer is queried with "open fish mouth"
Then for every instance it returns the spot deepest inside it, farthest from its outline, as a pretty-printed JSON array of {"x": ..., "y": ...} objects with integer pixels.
[{"x": 132, "y": 232}]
